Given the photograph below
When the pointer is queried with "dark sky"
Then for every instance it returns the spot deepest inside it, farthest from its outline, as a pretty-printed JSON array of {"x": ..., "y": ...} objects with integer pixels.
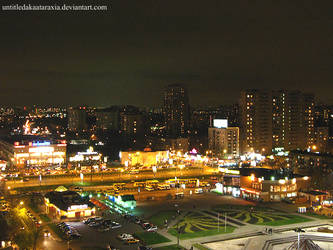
[{"x": 127, "y": 54}]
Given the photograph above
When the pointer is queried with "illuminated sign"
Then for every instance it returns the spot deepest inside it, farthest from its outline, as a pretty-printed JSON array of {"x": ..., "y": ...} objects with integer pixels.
[
  {"x": 78, "y": 207},
  {"x": 44, "y": 143},
  {"x": 220, "y": 123},
  {"x": 193, "y": 151},
  {"x": 41, "y": 150}
]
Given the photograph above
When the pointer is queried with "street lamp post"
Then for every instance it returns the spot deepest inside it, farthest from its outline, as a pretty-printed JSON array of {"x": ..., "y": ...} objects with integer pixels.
[{"x": 298, "y": 231}]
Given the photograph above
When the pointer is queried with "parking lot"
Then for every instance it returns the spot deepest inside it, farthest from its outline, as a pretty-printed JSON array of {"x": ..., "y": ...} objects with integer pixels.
[{"x": 92, "y": 237}]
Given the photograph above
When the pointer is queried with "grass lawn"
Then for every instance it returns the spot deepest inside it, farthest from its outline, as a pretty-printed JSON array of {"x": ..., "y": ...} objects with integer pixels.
[
  {"x": 263, "y": 217},
  {"x": 170, "y": 247},
  {"x": 292, "y": 220},
  {"x": 45, "y": 218},
  {"x": 195, "y": 224},
  {"x": 159, "y": 218},
  {"x": 318, "y": 216},
  {"x": 150, "y": 238},
  {"x": 203, "y": 233}
]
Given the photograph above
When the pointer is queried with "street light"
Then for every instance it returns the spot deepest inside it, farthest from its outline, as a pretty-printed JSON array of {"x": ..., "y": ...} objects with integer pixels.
[
  {"x": 298, "y": 231},
  {"x": 21, "y": 203}
]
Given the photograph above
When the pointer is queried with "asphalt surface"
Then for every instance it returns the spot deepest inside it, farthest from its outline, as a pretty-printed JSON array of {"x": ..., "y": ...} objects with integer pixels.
[
  {"x": 116, "y": 177},
  {"x": 92, "y": 239}
]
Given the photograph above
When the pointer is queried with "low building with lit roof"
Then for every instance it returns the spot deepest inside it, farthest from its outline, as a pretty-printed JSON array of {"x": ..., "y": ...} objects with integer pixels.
[{"x": 63, "y": 203}]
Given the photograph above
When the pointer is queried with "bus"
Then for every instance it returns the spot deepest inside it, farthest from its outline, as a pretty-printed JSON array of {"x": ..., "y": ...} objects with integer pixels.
[
  {"x": 163, "y": 186},
  {"x": 149, "y": 188},
  {"x": 139, "y": 184},
  {"x": 171, "y": 182},
  {"x": 152, "y": 182},
  {"x": 119, "y": 185},
  {"x": 194, "y": 181}
]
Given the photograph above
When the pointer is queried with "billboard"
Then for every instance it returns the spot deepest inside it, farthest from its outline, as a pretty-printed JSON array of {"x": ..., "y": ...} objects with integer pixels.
[{"x": 220, "y": 123}]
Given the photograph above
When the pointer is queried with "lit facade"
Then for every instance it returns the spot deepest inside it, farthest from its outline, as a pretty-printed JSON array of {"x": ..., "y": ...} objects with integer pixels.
[
  {"x": 224, "y": 142},
  {"x": 126, "y": 201},
  {"x": 39, "y": 153},
  {"x": 77, "y": 119},
  {"x": 256, "y": 121},
  {"x": 131, "y": 158},
  {"x": 62, "y": 203},
  {"x": 176, "y": 110},
  {"x": 258, "y": 188}
]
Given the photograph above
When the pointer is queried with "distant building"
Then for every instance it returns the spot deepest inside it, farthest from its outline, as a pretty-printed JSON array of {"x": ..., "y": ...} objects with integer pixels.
[
  {"x": 178, "y": 144},
  {"x": 321, "y": 139},
  {"x": 176, "y": 110},
  {"x": 276, "y": 119},
  {"x": 256, "y": 120},
  {"x": 108, "y": 118},
  {"x": 224, "y": 141},
  {"x": 77, "y": 119},
  {"x": 146, "y": 158},
  {"x": 132, "y": 126},
  {"x": 293, "y": 120},
  {"x": 39, "y": 153}
]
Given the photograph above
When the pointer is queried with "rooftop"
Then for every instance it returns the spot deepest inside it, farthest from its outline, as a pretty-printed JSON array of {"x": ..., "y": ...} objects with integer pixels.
[{"x": 65, "y": 199}]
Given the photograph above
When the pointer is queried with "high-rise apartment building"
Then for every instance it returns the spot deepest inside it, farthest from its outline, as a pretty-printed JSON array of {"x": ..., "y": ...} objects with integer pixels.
[
  {"x": 108, "y": 118},
  {"x": 132, "y": 126},
  {"x": 256, "y": 120},
  {"x": 176, "y": 110},
  {"x": 77, "y": 119},
  {"x": 224, "y": 141},
  {"x": 293, "y": 119},
  {"x": 284, "y": 118}
]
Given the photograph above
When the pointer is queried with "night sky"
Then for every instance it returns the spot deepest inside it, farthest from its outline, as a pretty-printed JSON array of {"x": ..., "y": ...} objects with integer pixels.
[{"x": 127, "y": 54}]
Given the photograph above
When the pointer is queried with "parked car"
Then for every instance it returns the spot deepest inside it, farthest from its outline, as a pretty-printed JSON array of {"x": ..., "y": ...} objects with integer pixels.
[
  {"x": 115, "y": 225},
  {"x": 152, "y": 228},
  {"x": 143, "y": 223},
  {"x": 132, "y": 241},
  {"x": 198, "y": 191},
  {"x": 137, "y": 220},
  {"x": 144, "y": 248},
  {"x": 125, "y": 236},
  {"x": 95, "y": 223},
  {"x": 92, "y": 219}
]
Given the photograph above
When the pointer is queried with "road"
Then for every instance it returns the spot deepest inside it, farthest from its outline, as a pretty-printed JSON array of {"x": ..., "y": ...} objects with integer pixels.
[{"x": 114, "y": 177}]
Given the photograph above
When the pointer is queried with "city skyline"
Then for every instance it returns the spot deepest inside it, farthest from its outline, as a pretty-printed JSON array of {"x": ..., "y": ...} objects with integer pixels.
[{"x": 216, "y": 49}]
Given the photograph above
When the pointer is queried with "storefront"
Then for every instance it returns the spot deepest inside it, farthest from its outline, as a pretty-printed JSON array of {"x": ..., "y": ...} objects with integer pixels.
[{"x": 62, "y": 203}]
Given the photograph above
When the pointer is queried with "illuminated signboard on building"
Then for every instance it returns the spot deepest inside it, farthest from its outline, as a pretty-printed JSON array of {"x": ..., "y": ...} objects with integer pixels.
[
  {"x": 78, "y": 207},
  {"x": 44, "y": 143},
  {"x": 41, "y": 150},
  {"x": 220, "y": 123}
]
